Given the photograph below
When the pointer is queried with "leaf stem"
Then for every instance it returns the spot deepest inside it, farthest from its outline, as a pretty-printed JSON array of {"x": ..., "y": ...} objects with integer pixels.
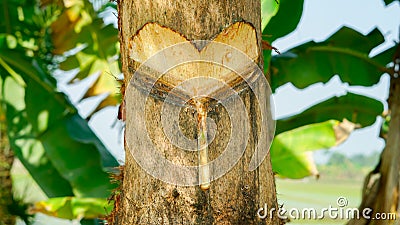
[{"x": 351, "y": 53}]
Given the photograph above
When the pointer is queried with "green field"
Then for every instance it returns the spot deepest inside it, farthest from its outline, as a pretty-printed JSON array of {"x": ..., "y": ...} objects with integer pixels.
[
  {"x": 299, "y": 194},
  {"x": 318, "y": 194}
]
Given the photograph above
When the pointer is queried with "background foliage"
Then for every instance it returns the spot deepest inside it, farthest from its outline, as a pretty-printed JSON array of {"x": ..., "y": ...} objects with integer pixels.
[{"x": 66, "y": 158}]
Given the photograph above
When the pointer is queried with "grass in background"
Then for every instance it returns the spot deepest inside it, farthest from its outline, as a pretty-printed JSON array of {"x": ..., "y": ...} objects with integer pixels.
[
  {"x": 318, "y": 194},
  {"x": 341, "y": 176}
]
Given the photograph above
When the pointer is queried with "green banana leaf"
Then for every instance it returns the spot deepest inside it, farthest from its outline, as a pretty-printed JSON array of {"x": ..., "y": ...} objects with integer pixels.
[
  {"x": 345, "y": 53},
  {"x": 387, "y": 2},
  {"x": 74, "y": 208},
  {"x": 80, "y": 27},
  {"x": 284, "y": 21},
  {"x": 280, "y": 24},
  {"x": 269, "y": 8},
  {"x": 46, "y": 132},
  {"x": 291, "y": 151},
  {"x": 355, "y": 108}
]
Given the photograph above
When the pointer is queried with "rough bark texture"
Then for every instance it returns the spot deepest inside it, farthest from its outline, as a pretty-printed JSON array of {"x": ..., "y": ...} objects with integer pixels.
[
  {"x": 388, "y": 200},
  {"x": 382, "y": 185},
  {"x": 232, "y": 199},
  {"x": 6, "y": 161}
]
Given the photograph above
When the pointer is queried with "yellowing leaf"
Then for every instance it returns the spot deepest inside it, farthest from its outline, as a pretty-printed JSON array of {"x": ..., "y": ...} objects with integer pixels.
[
  {"x": 74, "y": 208},
  {"x": 78, "y": 28},
  {"x": 291, "y": 151}
]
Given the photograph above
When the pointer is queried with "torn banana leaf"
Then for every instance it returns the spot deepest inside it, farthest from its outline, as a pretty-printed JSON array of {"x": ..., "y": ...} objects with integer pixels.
[{"x": 291, "y": 151}]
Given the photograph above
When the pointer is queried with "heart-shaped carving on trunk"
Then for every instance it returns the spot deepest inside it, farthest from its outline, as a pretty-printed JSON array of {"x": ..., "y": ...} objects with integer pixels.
[
  {"x": 196, "y": 73},
  {"x": 230, "y": 58}
]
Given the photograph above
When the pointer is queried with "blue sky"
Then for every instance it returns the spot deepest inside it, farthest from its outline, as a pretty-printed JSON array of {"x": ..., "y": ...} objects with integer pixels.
[{"x": 320, "y": 19}]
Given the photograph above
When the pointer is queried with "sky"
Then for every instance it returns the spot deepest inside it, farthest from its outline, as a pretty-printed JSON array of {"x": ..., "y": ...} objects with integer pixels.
[{"x": 320, "y": 19}]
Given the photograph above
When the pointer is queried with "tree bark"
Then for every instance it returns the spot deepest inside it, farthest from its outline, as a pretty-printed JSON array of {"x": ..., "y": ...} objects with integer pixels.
[
  {"x": 381, "y": 186},
  {"x": 235, "y": 197},
  {"x": 6, "y": 195}
]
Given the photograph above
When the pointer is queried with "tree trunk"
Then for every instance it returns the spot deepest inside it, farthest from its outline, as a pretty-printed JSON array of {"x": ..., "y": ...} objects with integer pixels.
[
  {"x": 381, "y": 186},
  {"x": 6, "y": 195},
  {"x": 235, "y": 197}
]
